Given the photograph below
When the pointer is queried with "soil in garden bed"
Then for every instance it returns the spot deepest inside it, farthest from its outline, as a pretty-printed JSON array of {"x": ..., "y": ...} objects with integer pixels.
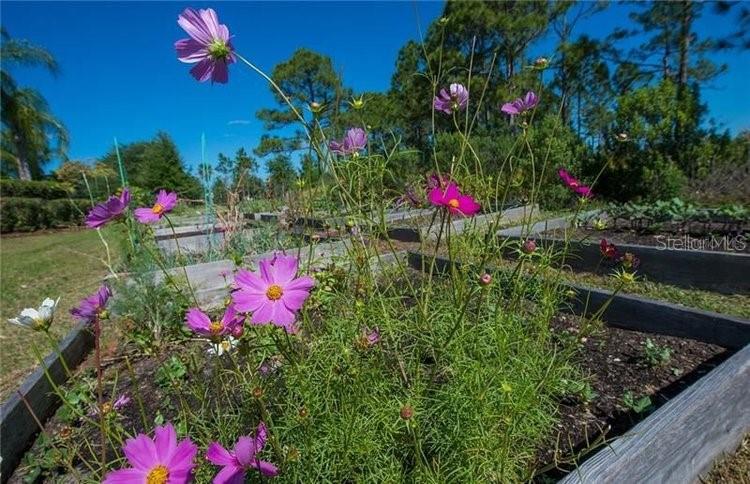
[
  {"x": 624, "y": 387},
  {"x": 680, "y": 241}
]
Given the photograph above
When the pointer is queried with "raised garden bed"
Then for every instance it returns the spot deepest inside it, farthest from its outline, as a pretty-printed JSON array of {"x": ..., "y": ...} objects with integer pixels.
[
  {"x": 680, "y": 440},
  {"x": 426, "y": 228},
  {"x": 682, "y": 268}
]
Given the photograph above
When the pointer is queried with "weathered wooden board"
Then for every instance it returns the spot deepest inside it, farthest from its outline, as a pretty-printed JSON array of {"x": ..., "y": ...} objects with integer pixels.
[
  {"x": 532, "y": 230},
  {"x": 459, "y": 225},
  {"x": 680, "y": 441},
  {"x": 729, "y": 272},
  {"x": 638, "y": 313},
  {"x": 18, "y": 427}
]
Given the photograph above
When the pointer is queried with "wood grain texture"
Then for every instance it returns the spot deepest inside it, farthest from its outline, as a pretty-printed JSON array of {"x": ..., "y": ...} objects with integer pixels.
[
  {"x": 18, "y": 428},
  {"x": 681, "y": 440}
]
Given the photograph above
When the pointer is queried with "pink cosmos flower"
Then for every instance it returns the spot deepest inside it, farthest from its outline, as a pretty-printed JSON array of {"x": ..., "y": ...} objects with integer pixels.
[
  {"x": 93, "y": 306},
  {"x": 107, "y": 211},
  {"x": 165, "y": 203},
  {"x": 209, "y": 46},
  {"x": 200, "y": 323},
  {"x": 521, "y": 105},
  {"x": 354, "y": 141},
  {"x": 274, "y": 294},
  {"x": 453, "y": 100},
  {"x": 452, "y": 199},
  {"x": 574, "y": 184},
  {"x": 243, "y": 458},
  {"x": 160, "y": 460}
]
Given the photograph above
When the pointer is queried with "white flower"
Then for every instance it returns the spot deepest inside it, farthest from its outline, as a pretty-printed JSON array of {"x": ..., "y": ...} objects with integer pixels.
[
  {"x": 37, "y": 319},
  {"x": 223, "y": 346}
]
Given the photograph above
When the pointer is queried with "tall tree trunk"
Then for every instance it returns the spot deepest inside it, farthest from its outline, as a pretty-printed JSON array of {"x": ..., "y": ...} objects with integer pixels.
[
  {"x": 24, "y": 171},
  {"x": 686, "y": 19}
]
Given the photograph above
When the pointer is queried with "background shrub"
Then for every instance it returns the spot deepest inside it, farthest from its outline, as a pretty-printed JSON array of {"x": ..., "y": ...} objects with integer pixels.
[
  {"x": 46, "y": 190},
  {"x": 27, "y": 214}
]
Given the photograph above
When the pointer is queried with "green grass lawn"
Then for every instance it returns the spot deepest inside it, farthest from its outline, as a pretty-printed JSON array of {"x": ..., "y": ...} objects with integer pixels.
[{"x": 64, "y": 264}]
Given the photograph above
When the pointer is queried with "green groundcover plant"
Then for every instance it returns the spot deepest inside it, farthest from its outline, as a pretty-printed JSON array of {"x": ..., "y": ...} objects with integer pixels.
[{"x": 362, "y": 371}]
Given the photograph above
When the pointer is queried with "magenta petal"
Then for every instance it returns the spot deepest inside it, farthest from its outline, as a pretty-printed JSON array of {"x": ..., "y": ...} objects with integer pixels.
[
  {"x": 265, "y": 313},
  {"x": 303, "y": 283},
  {"x": 509, "y": 108},
  {"x": 266, "y": 271},
  {"x": 260, "y": 437},
  {"x": 190, "y": 51},
  {"x": 203, "y": 70},
  {"x": 294, "y": 299},
  {"x": 244, "y": 450},
  {"x": 436, "y": 196},
  {"x": 194, "y": 25},
  {"x": 284, "y": 269},
  {"x": 219, "y": 455},
  {"x": 220, "y": 73},
  {"x": 245, "y": 279},
  {"x": 247, "y": 301},
  {"x": 125, "y": 476},
  {"x": 146, "y": 215},
  {"x": 451, "y": 192},
  {"x": 266, "y": 468},
  {"x": 165, "y": 440},
  {"x": 140, "y": 452},
  {"x": 197, "y": 320},
  {"x": 184, "y": 455},
  {"x": 230, "y": 475}
]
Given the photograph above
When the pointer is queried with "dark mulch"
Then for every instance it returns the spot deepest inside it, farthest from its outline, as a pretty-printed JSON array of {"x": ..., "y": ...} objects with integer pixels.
[
  {"x": 717, "y": 242},
  {"x": 615, "y": 363}
]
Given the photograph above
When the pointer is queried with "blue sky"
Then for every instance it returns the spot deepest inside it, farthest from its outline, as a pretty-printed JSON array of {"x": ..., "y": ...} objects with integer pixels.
[{"x": 120, "y": 77}]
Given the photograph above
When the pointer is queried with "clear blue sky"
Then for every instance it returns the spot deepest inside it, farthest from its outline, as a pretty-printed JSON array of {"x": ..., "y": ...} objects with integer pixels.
[{"x": 120, "y": 77}]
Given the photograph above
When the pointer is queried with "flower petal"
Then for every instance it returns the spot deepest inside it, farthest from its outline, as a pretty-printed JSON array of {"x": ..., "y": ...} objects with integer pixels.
[
  {"x": 230, "y": 475},
  {"x": 125, "y": 476},
  {"x": 218, "y": 455},
  {"x": 244, "y": 450},
  {"x": 140, "y": 452},
  {"x": 203, "y": 70},
  {"x": 165, "y": 440},
  {"x": 190, "y": 51}
]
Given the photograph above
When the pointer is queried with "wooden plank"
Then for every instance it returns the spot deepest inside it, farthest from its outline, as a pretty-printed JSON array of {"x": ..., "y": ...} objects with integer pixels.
[
  {"x": 637, "y": 313},
  {"x": 729, "y": 274},
  {"x": 17, "y": 425},
  {"x": 544, "y": 225},
  {"x": 459, "y": 225},
  {"x": 681, "y": 440}
]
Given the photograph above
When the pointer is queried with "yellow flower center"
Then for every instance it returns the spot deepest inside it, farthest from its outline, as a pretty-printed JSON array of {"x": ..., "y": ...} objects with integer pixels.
[
  {"x": 157, "y": 208},
  {"x": 106, "y": 407},
  {"x": 158, "y": 475},
  {"x": 216, "y": 327},
  {"x": 274, "y": 292},
  {"x": 453, "y": 203}
]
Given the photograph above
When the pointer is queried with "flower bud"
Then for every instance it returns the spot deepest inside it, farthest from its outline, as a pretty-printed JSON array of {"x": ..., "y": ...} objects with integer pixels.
[
  {"x": 541, "y": 63},
  {"x": 407, "y": 412},
  {"x": 257, "y": 392},
  {"x": 485, "y": 279},
  {"x": 529, "y": 246}
]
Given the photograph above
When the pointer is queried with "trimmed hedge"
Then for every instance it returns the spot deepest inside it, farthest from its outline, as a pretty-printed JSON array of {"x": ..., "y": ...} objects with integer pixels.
[
  {"x": 28, "y": 214},
  {"x": 46, "y": 190}
]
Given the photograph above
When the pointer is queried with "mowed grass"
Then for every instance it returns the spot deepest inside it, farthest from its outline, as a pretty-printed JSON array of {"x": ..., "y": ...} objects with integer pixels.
[{"x": 65, "y": 264}]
